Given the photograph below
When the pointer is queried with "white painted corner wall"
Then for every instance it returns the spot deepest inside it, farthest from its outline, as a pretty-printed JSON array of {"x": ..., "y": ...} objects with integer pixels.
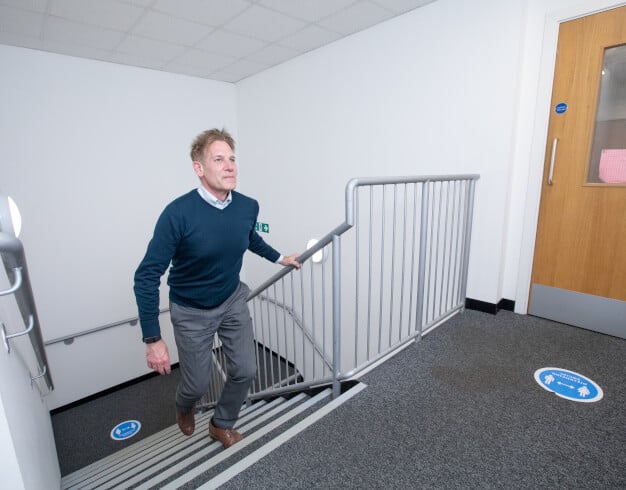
[{"x": 91, "y": 153}]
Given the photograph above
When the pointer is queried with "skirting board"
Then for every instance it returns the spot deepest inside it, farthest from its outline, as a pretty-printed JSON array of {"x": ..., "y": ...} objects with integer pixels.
[{"x": 485, "y": 307}]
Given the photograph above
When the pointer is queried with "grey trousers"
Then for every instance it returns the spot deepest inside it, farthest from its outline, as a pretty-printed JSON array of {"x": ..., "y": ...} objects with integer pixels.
[{"x": 194, "y": 330}]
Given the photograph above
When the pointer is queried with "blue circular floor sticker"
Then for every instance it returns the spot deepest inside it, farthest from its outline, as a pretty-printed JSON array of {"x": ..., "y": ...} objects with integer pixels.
[
  {"x": 125, "y": 430},
  {"x": 568, "y": 384}
]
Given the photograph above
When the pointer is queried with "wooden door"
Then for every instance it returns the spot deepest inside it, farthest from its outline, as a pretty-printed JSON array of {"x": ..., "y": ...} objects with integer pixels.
[{"x": 579, "y": 268}]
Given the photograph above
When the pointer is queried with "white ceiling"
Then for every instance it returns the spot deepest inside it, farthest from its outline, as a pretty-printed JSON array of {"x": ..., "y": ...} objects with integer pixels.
[{"x": 226, "y": 40}]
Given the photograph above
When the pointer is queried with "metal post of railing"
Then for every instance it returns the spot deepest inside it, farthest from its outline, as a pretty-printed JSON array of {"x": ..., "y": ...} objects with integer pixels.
[
  {"x": 336, "y": 314},
  {"x": 468, "y": 234},
  {"x": 421, "y": 266}
]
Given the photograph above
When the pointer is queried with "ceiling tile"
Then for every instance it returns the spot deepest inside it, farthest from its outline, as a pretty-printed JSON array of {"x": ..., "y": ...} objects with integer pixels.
[
  {"x": 224, "y": 76},
  {"x": 355, "y": 18},
  {"x": 33, "y": 5},
  {"x": 230, "y": 44},
  {"x": 109, "y": 14},
  {"x": 23, "y": 22},
  {"x": 210, "y": 12},
  {"x": 311, "y": 11},
  {"x": 79, "y": 50},
  {"x": 13, "y": 39},
  {"x": 143, "y": 47},
  {"x": 136, "y": 60},
  {"x": 244, "y": 68},
  {"x": 57, "y": 29},
  {"x": 140, "y": 3},
  {"x": 273, "y": 55},
  {"x": 264, "y": 24},
  {"x": 401, "y": 6},
  {"x": 163, "y": 28},
  {"x": 194, "y": 71},
  {"x": 309, "y": 38},
  {"x": 197, "y": 57}
]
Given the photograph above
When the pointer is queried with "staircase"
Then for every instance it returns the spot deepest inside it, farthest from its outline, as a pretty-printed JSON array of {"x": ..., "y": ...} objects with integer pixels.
[{"x": 170, "y": 460}]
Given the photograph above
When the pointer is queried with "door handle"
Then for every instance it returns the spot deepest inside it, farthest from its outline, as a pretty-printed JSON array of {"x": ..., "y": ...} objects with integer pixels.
[{"x": 552, "y": 158}]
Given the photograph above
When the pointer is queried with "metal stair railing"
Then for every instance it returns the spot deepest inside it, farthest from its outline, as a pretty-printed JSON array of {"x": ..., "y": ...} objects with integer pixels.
[
  {"x": 405, "y": 272},
  {"x": 14, "y": 260}
]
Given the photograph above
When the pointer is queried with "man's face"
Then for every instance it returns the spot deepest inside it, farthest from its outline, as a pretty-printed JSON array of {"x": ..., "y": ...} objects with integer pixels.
[{"x": 218, "y": 171}]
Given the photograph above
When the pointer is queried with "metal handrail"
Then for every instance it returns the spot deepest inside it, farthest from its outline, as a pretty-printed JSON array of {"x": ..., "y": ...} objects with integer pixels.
[
  {"x": 14, "y": 260},
  {"x": 68, "y": 339}
]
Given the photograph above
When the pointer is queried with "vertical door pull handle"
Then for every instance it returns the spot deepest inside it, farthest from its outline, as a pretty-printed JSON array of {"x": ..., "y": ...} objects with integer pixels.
[{"x": 552, "y": 158}]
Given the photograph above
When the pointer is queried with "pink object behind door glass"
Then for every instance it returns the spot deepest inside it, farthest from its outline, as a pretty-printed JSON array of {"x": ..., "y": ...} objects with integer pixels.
[{"x": 613, "y": 166}]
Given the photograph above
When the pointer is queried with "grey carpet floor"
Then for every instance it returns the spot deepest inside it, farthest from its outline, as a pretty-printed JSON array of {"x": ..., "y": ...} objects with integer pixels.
[
  {"x": 83, "y": 432},
  {"x": 461, "y": 409}
]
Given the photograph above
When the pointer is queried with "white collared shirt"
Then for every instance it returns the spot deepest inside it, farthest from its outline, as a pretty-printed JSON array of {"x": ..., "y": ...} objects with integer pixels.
[{"x": 214, "y": 201}]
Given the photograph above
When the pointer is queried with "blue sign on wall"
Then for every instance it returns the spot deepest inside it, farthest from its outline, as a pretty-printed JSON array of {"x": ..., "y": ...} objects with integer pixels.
[
  {"x": 125, "y": 430},
  {"x": 560, "y": 108},
  {"x": 568, "y": 384}
]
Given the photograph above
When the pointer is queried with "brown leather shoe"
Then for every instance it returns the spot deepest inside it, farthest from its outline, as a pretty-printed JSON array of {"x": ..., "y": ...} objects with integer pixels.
[
  {"x": 186, "y": 422},
  {"x": 227, "y": 437}
]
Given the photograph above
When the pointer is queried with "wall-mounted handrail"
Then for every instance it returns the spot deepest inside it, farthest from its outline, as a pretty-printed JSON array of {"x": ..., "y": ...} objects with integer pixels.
[
  {"x": 14, "y": 260},
  {"x": 68, "y": 339}
]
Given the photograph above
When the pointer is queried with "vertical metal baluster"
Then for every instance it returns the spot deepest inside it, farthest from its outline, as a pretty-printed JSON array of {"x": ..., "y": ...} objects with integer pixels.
[
  {"x": 264, "y": 345},
  {"x": 336, "y": 315},
  {"x": 468, "y": 234},
  {"x": 369, "y": 281},
  {"x": 444, "y": 262},
  {"x": 270, "y": 345},
  {"x": 419, "y": 316},
  {"x": 357, "y": 231},
  {"x": 277, "y": 332},
  {"x": 323, "y": 313},
  {"x": 255, "y": 301},
  {"x": 284, "y": 308},
  {"x": 437, "y": 252},
  {"x": 293, "y": 328},
  {"x": 459, "y": 236},
  {"x": 303, "y": 316},
  {"x": 415, "y": 187},
  {"x": 431, "y": 206},
  {"x": 313, "y": 324},
  {"x": 403, "y": 266},
  {"x": 393, "y": 262},
  {"x": 382, "y": 269},
  {"x": 452, "y": 252}
]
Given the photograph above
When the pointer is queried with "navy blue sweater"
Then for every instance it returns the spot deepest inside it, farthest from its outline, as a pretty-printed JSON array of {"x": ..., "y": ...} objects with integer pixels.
[{"x": 205, "y": 246}]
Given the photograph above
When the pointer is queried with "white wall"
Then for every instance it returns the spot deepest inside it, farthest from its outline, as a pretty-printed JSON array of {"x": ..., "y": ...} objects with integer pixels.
[
  {"x": 453, "y": 87},
  {"x": 91, "y": 153},
  {"x": 431, "y": 92}
]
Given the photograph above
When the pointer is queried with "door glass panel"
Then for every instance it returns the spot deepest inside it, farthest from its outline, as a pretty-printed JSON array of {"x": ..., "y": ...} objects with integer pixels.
[{"x": 607, "y": 164}]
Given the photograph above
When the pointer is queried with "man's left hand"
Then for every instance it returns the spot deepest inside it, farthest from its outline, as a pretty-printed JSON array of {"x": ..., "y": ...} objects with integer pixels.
[{"x": 291, "y": 260}]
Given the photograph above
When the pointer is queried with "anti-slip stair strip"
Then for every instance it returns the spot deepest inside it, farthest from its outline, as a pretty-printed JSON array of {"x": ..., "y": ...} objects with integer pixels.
[
  {"x": 139, "y": 447},
  {"x": 207, "y": 465},
  {"x": 175, "y": 444},
  {"x": 203, "y": 453},
  {"x": 198, "y": 443},
  {"x": 263, "y": 451}
]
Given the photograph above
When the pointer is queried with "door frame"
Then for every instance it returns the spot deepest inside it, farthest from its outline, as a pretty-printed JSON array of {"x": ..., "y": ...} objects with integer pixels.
[{"x": 537, "y": 119}]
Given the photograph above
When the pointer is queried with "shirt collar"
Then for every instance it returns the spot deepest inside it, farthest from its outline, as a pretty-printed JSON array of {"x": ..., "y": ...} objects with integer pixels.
[{"x": 214, "y": 201}]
